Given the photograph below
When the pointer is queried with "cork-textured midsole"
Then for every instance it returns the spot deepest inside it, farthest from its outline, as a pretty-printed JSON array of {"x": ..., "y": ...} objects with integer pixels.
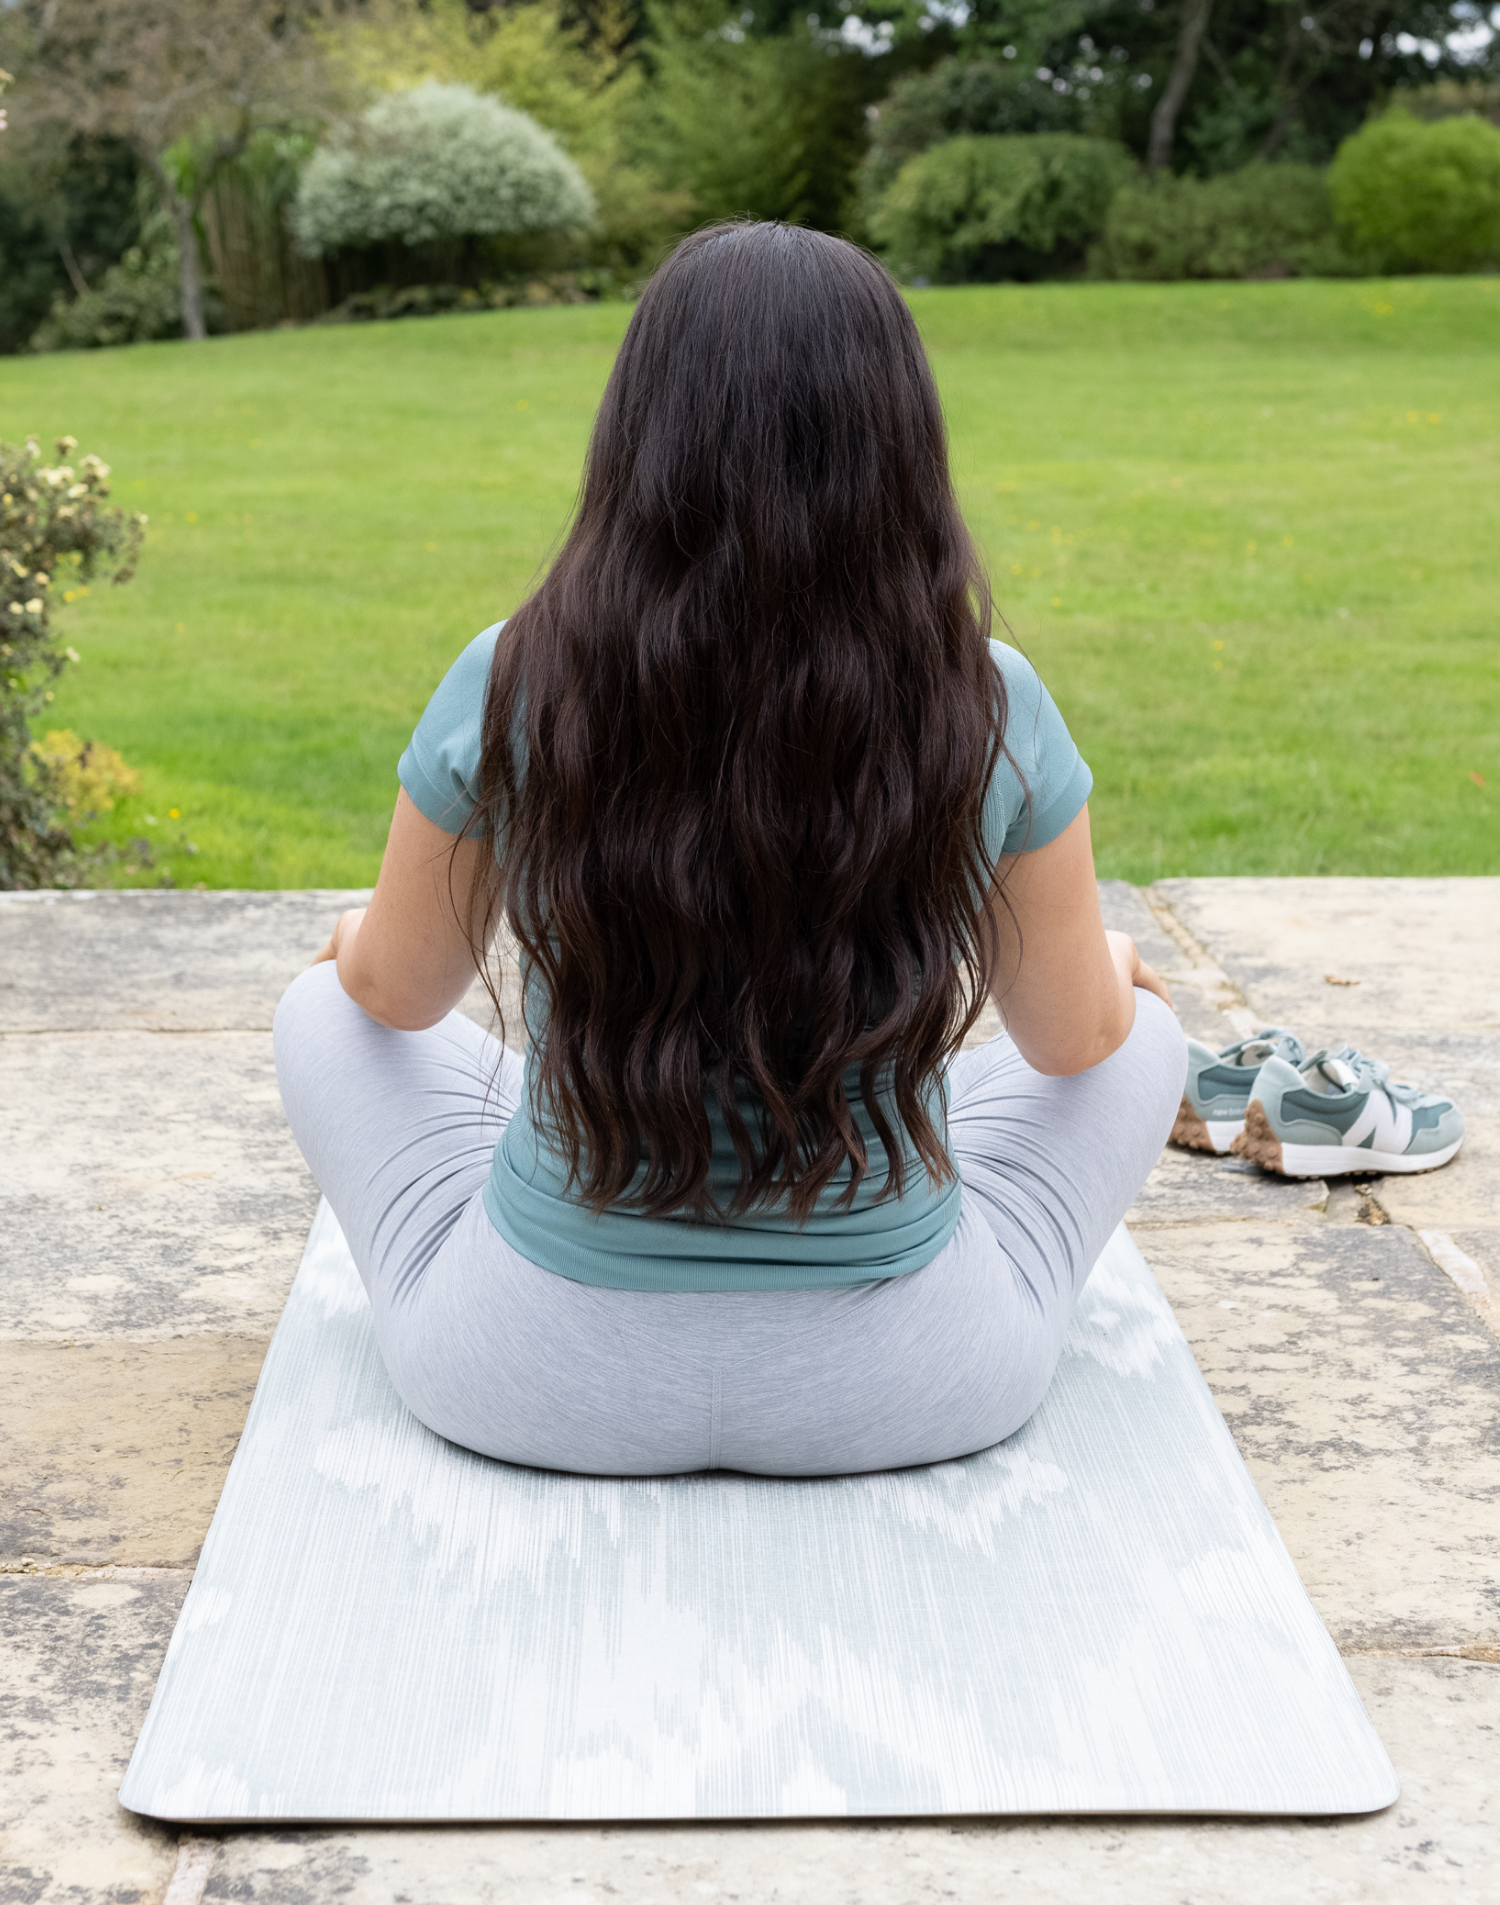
[{"x": 1200, "y": 1134}]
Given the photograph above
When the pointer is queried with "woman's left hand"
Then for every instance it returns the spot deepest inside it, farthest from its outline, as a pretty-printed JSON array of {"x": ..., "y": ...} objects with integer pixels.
[{"x": 346, "y": 926}]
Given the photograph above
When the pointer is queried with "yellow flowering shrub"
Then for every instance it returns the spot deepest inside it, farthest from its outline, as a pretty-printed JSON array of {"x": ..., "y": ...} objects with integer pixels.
[{"x": 86, "y": 777}]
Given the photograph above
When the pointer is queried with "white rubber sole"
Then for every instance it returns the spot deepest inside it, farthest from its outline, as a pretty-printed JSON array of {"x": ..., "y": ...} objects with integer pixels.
[
  {"x": 1223, "y": 1132},
  {"x": 1340, "y": 1160}
]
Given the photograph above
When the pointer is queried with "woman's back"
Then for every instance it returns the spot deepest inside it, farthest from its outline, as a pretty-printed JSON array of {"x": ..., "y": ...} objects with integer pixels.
[
  {"x": 852, "y": 1234},
  {"x": 770, "y": 817}
]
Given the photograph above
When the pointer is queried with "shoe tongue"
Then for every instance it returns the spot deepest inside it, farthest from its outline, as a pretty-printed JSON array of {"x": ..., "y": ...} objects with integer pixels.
[
  {"x": 1272, "y": 1042},
  {"x": 1342, "y": 1069}
]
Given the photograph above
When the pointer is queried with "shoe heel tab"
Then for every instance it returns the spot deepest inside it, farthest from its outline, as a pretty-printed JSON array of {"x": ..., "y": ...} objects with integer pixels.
[{"x": 1278, "y": 1074}]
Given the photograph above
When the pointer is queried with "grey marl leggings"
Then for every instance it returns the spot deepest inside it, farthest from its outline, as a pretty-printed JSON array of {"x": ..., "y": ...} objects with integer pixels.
[{"x": 509, "y": 1359}]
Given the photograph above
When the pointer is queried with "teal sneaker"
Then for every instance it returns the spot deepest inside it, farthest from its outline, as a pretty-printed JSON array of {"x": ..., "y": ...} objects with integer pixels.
[
  {"x": 1218, "y": 1086},
  {"x": 1339, "y": 1115}
]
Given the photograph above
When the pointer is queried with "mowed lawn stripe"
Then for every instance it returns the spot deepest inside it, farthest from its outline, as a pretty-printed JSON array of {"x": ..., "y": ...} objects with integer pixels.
[{"x": 1247, "y": 532}]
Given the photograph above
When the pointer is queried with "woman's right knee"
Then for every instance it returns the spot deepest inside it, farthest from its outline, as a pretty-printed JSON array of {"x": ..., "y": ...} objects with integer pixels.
[
  {"x": 313, "y": 1018},
  {"x": 1158, "y": 1048}
]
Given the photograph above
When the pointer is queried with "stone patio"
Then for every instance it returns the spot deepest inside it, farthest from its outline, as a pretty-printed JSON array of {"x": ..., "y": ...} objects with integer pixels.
[{"x": 152, "y": 1213}]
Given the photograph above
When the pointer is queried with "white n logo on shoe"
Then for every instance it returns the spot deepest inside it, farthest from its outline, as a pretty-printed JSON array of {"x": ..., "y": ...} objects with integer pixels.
[{"x": 1385, "y": 1124}]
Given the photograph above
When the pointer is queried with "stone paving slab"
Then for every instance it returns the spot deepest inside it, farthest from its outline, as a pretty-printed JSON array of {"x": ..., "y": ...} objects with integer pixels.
[
  {"x": 162, "y": 962},
  {"x": 1191, "y": 1187},
  {"x": 1126, "y": 910},
  {"x": 176, "y": 962},
  {"x": 1465, "y": 1066},
  {"x": 1364, "y": 1400},
  {"x": 76, "y": 1672},
  {"x": 1439, "y": 1718},
  {"x": 81, "y": 1656},
  {"x": 1365, "y": 1396},
  {"x": 151, "y": 1185},
  {"x": 1423, "y": 952},
  {"x": 116, "y": 1452}
]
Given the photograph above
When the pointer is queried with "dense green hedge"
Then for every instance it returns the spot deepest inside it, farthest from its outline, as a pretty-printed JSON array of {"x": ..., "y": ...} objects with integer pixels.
[
  {"x": 1265, "y": 221},
  {"x": 985, "y": 207},
  {"x": 1402, "y": 195}
]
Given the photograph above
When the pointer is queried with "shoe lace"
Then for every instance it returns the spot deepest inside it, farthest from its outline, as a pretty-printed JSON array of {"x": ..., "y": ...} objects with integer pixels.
[{"x": 1351, "y": 1067}]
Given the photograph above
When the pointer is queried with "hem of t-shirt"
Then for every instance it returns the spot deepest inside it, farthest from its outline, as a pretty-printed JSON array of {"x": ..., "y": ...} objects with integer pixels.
[
  {"x": 1061, "y": 811},
  {"x": 611, "y": 1270},
  {"x": 437, "y": 802}
]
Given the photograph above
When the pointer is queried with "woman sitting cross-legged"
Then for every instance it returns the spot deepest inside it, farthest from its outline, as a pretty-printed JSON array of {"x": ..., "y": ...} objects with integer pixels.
[{"x": 770, "y": 817}]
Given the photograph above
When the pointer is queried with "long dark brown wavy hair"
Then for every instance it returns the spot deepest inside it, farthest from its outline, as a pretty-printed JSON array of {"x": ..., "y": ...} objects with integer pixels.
[{"x": 737, "y": 743}]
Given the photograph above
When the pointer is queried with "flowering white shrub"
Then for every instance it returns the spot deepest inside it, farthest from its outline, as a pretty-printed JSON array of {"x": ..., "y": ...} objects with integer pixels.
[{"x": 437, "y": 162}]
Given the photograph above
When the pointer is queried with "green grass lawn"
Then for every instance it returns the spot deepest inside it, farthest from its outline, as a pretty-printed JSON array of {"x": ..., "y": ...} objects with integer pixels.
[{"x": 1248, "y": 533}]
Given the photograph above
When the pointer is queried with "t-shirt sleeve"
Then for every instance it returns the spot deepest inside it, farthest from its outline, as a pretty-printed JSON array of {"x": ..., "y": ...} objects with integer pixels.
[
  {"x": 440, "y": 768},
  {"x": 1025, "y": 810}
]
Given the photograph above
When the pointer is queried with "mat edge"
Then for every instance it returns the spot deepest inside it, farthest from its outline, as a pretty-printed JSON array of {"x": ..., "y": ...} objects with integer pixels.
[{"x": 1121, "y": 1240}]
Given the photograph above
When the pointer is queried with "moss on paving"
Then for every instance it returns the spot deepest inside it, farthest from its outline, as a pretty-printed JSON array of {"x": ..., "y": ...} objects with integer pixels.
[{"x": 1247, "y": 532}]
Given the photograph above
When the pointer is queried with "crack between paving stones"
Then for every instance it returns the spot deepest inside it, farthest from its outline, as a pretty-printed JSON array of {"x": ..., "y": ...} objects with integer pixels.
[
  {"x": 1479, "y": 1650},
  {"x": 195, "y": 1863},
  {"x": 25, "y": 1570},
  {"x": 1203, "y": 972},
  {"x": 131, "y": 1031}
]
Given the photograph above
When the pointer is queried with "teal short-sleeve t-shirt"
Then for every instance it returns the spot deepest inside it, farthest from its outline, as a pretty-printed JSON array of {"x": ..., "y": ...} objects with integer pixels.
[{"x": 1033, "y": 795}]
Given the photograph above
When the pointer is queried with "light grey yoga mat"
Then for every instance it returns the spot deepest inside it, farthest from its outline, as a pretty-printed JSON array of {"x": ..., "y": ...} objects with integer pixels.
[{"x": 1096, "y": 1616}]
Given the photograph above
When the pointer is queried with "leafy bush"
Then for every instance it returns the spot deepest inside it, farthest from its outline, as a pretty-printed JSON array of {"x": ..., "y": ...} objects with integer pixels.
[
  {"x": 135, "y": 301},
  {"x": 55, "y": 533},
  {"x": 1421, "y": 197},
  {"x": 983, "y": 208},
  {"x": 437, "y": 162},
  {"x": 432, "y": 300},
  {"x": 1264, "y": 221},
  {"x": 954, "y": 97}
]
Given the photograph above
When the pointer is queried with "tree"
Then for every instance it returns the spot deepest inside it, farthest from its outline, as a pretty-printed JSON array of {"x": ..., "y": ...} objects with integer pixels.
[
  {"x": 1208, "y": 88},
  {"x": 183, "y": 83},
  {"x": 1184, "y": 66},
  {"x": 756, "y": 115}
]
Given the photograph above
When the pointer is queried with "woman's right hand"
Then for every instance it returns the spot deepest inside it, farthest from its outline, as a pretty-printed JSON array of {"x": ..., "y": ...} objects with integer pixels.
[{"x": 1132, "y": 969}]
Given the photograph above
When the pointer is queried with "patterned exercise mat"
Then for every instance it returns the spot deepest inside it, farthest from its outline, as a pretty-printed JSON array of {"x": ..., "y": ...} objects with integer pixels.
[{"x": 1096, "y": 1616}]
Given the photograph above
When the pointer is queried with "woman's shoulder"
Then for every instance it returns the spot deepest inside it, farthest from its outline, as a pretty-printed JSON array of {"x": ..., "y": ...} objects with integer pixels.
[
  {"x": 1041, "y": 781},
  {"x": 1019, "y": 675},
  {"x": 473, "y": 664},
  {"x": 440, "y": 768},
  {"x": 458, "y": 699}
]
